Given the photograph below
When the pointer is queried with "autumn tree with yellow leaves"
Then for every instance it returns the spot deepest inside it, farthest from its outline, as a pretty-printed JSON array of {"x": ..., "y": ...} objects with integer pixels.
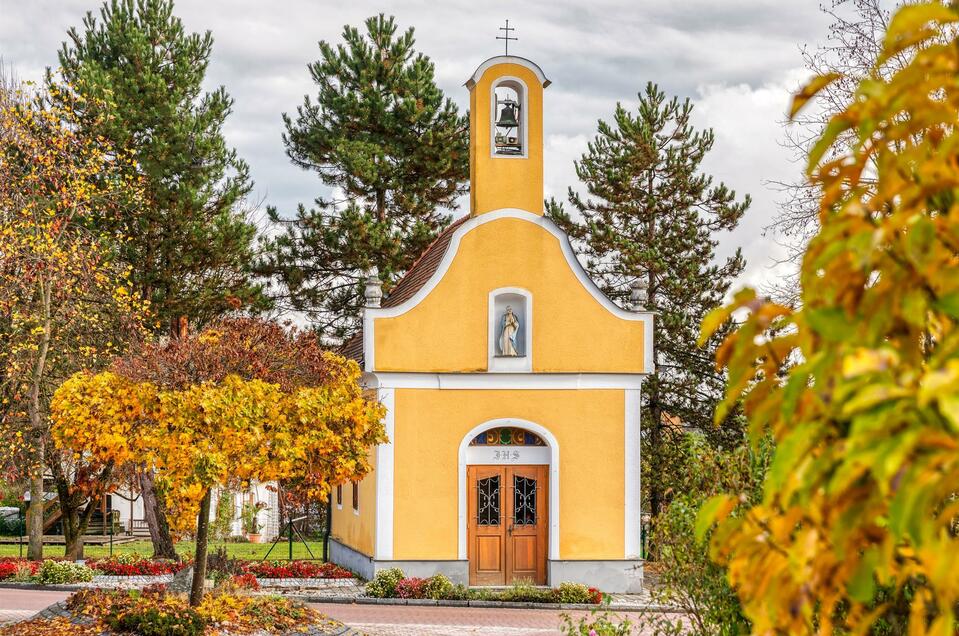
[
  {"x": 243, "y": 400},
  {"x": 64, "y": 303},
  {"x": 858, "y": 527}
]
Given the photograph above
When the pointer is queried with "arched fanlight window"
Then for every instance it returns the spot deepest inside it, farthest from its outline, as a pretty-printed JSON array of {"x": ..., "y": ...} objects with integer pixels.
[{"x": 507, "y": 436}]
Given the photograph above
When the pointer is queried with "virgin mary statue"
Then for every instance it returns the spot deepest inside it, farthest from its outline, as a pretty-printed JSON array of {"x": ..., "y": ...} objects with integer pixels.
[{"x": 507, "y": 338}]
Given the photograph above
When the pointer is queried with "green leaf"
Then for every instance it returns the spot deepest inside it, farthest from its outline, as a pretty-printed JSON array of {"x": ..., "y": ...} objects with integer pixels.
[
  {"x": 831, "y": 323},
  {"x": 862, "y": 585},
  {"x": 810, "y": 90},
  {"x": 714, "y": 510},
  {"x": 949, "y": 304}
]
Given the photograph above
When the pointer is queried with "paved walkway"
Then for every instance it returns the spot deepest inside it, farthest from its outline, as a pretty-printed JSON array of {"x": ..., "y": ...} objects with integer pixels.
[
  {"x": 18, "y": 605},
  {"x": 374, "y": 620},
  {"x": 420, "y": 620}
]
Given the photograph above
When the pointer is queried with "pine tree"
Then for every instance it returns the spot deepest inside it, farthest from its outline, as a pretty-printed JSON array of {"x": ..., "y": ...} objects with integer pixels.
[
  {"x": 191, "y": 243},
  {"x": 393, "y": 150},
  {"x": 653, "y": 215}
]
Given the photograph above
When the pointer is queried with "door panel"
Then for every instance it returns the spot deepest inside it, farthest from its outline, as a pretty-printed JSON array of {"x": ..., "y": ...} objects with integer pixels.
[
  {"x": 507, "y": 524},
  {"x": 489, "y": 555},
  {"x": 526, "y": 530},
  {"x": 485, "y": 528}
]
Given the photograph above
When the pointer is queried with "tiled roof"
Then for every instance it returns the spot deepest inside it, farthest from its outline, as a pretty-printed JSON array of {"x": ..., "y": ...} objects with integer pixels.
[{"x": 412, "y": 281}]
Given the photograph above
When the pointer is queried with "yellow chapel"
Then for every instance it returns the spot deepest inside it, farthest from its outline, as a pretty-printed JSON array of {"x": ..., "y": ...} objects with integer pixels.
[{"x": 512, "y": 386}]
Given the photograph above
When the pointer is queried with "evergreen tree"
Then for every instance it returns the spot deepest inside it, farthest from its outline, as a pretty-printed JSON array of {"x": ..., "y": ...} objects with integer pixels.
[
  {"x": 652, "y": 215},
  {"x": 190, "y": 242},
  {"x": 393, "y": 150}
]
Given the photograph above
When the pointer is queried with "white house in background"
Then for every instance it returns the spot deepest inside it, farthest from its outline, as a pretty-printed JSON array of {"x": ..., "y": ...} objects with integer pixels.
[{"x": 129, "y": 509}]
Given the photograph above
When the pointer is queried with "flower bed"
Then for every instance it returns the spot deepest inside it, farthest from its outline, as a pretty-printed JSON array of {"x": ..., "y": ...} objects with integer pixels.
[
  {"x": 47, "y": 572},
  {"x": 135, "y": 565},
  {"x": 294, "y": 570},
  {"x": 12, "y": 568},
  {"x": 154, "y": 611},
  {"x": 392, "y": 583}
]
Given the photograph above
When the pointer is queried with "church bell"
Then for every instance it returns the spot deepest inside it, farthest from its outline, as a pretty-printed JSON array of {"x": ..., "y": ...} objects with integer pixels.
[{"x": 507, "y": 116}]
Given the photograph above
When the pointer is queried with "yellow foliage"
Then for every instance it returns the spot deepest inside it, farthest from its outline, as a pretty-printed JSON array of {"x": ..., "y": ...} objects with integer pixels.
[
  {"x": 860, "y": 387},
  {"x": 223, "y": 434}
]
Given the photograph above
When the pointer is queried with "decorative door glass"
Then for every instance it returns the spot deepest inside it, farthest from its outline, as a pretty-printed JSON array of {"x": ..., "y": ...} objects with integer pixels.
[
  {"x": 524, "y": 501},
  {"x": 488, "y": 501}
]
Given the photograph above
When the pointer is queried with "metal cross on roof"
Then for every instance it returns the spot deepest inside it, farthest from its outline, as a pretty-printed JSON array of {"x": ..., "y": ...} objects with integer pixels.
[{"x": 506, "y": 37}]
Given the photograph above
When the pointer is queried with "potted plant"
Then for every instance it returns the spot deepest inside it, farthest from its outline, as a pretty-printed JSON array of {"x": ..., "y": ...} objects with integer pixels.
[{"x": 251, "y": 521}]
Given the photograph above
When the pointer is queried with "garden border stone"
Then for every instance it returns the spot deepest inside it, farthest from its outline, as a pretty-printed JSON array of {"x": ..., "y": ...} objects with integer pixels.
[{"x": 616, "y": 607}]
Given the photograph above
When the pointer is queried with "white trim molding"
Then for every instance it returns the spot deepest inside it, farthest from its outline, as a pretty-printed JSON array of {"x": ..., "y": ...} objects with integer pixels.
[
  {"x": 506, "y": 59},
  {"x": 383, "y": 522},
  {"x": 501, "y": 381},
  {"x": 371, "y": 314},
  {"x": 553, "y": 445},
  {"x": 500, "y": 364},
  {"x": 495, "y": 455},
  {"x": 633, "y": 512}
]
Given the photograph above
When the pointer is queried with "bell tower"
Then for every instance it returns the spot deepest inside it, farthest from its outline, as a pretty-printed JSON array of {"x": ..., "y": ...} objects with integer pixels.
[{"x": 506, "y": 135}]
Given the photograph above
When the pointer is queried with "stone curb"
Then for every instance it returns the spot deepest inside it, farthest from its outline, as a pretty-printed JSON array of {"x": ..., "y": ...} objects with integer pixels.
[
  {"x": 117, "y": 581},
  {"x": 62, "y": 587},
  {"x": 363, "y": 600}
]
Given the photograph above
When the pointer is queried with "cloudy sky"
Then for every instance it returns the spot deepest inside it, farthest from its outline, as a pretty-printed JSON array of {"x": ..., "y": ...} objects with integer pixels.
[{"x": 737, "y": 60}]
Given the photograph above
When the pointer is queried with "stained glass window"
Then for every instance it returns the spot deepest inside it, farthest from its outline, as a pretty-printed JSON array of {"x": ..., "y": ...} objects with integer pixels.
[
  {"x": 507, "y": 436},
  {"x": 488, "y": 501},
  {"x": 524, "y": 501}
]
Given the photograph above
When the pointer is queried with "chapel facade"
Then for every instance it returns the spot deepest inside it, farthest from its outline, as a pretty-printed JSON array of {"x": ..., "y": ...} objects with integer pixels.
[{"x": 512, "y": 386}]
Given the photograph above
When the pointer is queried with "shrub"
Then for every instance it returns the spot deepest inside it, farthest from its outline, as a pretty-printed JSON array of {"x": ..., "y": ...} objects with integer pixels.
[
  {"x": 459, "y": 592},
  {"x": 577, "y": 593},
  {"x": 437, "y": 587},
  {"x": 384, "y": 583},
  {"x": 604, "y": 624},
  {"x": 526, "y": 593},
  {"x": 411, "y": 587},
  {"x": 163, "y": 619},
  {"x": 54, "y": 572},
  {"x": 154, "y": 612}
]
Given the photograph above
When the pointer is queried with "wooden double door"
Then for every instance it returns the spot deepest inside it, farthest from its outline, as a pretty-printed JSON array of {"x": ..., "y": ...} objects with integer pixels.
[{"x": 507, "y": 524}]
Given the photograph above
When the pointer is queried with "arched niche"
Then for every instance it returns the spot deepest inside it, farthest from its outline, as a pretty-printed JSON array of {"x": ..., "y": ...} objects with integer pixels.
[{"x": 511, "y": 305}]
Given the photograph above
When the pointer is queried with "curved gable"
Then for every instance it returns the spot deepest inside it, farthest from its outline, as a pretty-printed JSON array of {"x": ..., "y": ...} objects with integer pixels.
[{"x": 443, "y": 326}]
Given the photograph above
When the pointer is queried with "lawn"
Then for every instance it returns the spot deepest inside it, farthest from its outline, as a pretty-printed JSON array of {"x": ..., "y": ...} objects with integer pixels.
[{"x": 145, "y": 548}]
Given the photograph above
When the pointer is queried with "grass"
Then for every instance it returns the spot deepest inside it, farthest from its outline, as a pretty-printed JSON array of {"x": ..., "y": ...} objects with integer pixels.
[{"x": 250, "y": 551}]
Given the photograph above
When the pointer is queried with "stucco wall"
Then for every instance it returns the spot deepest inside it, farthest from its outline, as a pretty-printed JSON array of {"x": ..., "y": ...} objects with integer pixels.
[
  {"x": 588, "y": 426},
  {"x": 357, "y": 530},
  {"x": 447, "y": 330}
]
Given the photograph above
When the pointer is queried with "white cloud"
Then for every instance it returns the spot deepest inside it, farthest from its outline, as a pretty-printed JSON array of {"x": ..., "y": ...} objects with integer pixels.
[{"x": 735, "y": 58}]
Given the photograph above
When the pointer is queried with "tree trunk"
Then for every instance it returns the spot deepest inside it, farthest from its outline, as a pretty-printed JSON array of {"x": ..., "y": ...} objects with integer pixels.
[
  {"x": 655, "y": 444},
  {"x": 35, "y": 518},
  {"x": 199, "y": 562},
  {"x": 38, "y": 430},
  {"x": 76, "y": 512},
  {"x": 155, "y": 515}
]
